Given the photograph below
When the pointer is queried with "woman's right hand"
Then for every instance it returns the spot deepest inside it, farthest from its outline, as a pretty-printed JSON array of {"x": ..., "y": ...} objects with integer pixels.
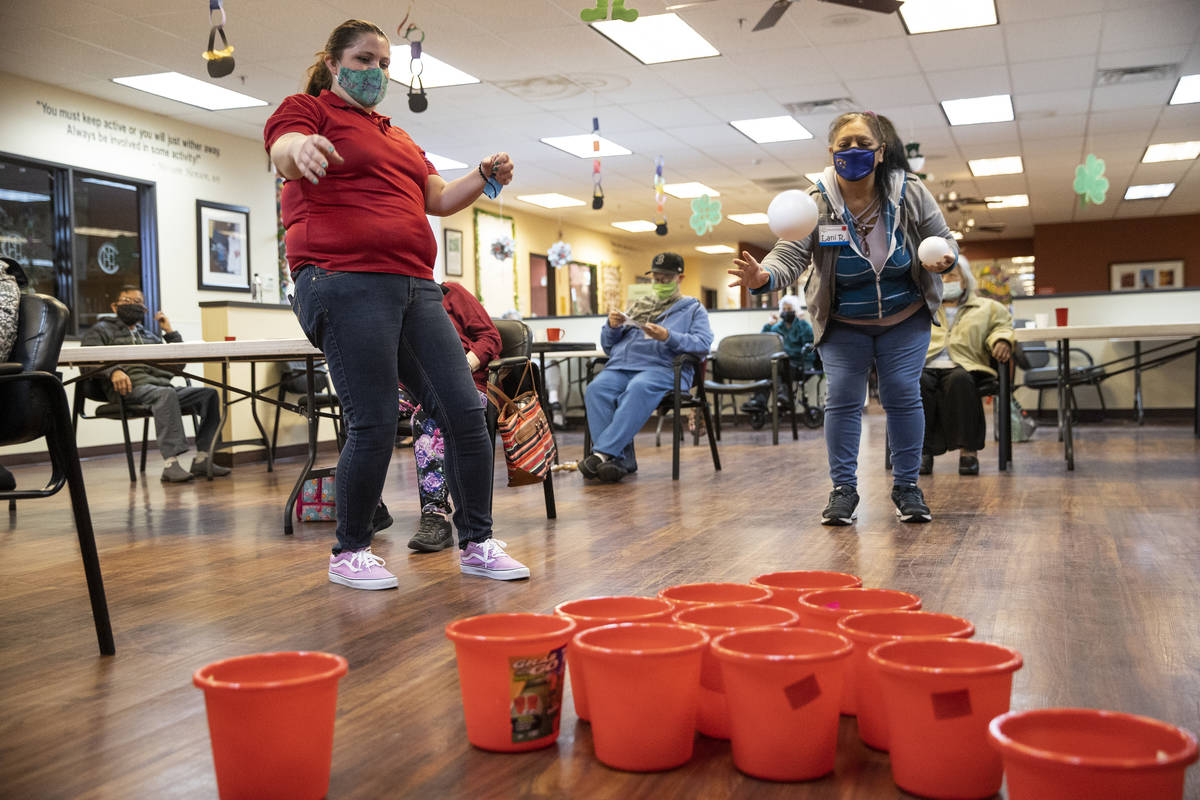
[
  {"x": 749, "y": 273},
  {"x": 311, "y": 154},
  {"x": 615, "y": 319}
]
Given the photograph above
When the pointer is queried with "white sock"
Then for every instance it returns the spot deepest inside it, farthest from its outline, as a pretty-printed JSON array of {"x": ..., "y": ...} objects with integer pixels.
[
  {"x": 604, "y": 456},
  {"x": 171, "y": 460},
  {"x": 200, "y": 458}
]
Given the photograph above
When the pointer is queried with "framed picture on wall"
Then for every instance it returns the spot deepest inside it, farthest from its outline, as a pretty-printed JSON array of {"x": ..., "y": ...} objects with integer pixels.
[
  {"x": 222, "y": 247},
  {"x": 1138, "y": 276},
  {"x": 452, "y": 241}
]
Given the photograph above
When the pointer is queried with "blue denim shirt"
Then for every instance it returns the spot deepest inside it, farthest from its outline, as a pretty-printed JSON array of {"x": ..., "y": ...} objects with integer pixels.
[{"x": 629, "y": 348}]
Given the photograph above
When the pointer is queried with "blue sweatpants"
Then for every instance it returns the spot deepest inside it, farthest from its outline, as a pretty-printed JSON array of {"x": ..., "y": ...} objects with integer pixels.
[{"x": 619, "y": 401}]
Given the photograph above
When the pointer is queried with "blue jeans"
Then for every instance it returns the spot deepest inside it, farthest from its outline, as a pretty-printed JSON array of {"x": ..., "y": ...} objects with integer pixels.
[
  {"x": 898, "y": 354},
  {"x": 619, "y": 401},
  {"x": 376, "y": 329}
]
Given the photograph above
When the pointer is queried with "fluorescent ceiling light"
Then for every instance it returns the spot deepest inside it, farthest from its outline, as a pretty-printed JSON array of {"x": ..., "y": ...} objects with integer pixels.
[
  {"x": 757, "y": 218},
  {"x": 1171, "y": 151},
  {"x": 975, "y": 110},
  {"x": 772, "y": 129},
  {"x": 1008, "y": 201},
  {"x": 636, "y": 225},
  {"x": 442, "y": 163},
  {"x": 1186, "y": 91},
  {"x": 14, "y": 196},
  {"x": 183, "y": 89},
  {"x": 927, "y": 16},
  {"x": 581, "y": 145},
  {"x": 1022, "y": 259},
  {"x": 113, "y": 184},
  {"x": 657, "y": 39},
  {"x": 1147, "y": 191},
  {"x": 956, "y": 234},
  {"x": 550, "y": 200},
  {"x": 102, "y": 233},
  {"x": 1007, "y": 165},
  {"x": 686, "y": 191},
  {"x": 716, "y": 249},
  {"x": 436, "y": 73}
]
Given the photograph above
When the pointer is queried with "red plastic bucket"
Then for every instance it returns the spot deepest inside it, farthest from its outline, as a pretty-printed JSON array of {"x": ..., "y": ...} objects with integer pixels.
[
  {"x": 1081, "y": 754},
  {"x": 788, "y": 586},
  {"x": 712, "y": 719},
  {"x": 270, "y": 718},
  {"x": 643, "y": 683},
  {"x": 700, "y": 594},
  {"x": 510, "y": 670},
  {"x": 940, "y": 695},
  {"x": 783, "y": 686},
  {"x": 593, "y": 612},
  {"x": 823, "y": 608},
  {"x": 869, "y": 628}
]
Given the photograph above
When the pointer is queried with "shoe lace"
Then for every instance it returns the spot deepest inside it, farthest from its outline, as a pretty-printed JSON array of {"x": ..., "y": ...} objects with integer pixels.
[
  {"x": 363, "y": 560},
  {"x": 492, "y": 549},
  {"x": 911, "y": 494}
]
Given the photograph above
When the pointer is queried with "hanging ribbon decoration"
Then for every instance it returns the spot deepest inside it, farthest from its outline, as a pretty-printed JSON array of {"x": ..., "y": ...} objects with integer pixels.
[
  {"x": 660, "y": 199},
  {"x": 597, "y": 189},
  {"x": 218, "y": 62}
]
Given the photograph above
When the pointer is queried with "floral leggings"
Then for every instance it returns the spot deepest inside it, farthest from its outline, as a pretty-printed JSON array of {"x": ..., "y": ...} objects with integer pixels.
[{"x": 430, "y": 452}]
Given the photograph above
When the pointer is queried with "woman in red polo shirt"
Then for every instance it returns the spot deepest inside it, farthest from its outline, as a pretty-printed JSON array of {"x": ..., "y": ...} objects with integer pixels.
[{"x": 361, "y": 253}]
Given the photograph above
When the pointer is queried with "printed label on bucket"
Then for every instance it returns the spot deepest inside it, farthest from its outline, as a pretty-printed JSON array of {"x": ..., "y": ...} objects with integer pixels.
[
  {"x": 536, "y": 688},
  {"x": 802, "y": 692},
  {"x": 949, "y": 705}
]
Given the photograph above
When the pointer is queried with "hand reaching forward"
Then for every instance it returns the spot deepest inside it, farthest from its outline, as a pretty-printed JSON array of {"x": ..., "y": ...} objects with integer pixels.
[{"x": 749, "y": 272}]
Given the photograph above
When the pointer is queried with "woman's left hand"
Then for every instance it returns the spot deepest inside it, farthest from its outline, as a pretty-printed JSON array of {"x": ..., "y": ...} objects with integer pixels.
[
  {"x": 657, "y": 332},
  {"x": 946, "y": 262},
  {"x": 500, "y": 167},
  {"x": 1002, "y": 351}
]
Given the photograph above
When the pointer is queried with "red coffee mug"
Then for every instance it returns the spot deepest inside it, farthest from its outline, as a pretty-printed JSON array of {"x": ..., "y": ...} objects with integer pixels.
[
  {"x": 1060, "y": 317},
  {"x": 554, "y": 334},
  {"x": 231, "y": 338}
]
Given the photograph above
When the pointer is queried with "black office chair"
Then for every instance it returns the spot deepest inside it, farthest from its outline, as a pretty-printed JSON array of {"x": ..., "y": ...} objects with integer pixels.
[
  {"x": 516, "y": 354},
  {"x": 1042, "y": 374},
  {"x": 294, "y": 380},
  {"x": 33, "y": 404},
  {"x": 812, "y": 413},
  {"x": 747, "y": 363}
]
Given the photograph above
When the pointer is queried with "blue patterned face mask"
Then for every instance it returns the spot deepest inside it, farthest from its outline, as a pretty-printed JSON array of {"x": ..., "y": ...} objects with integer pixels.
[
  {"x": 855, "y": 163},
  {"x": 367, "y": 87}
]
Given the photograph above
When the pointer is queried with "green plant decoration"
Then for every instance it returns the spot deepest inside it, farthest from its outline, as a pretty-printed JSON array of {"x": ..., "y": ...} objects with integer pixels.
[
  {"x": 706, "y": 214},
  {"x": 1090, "y": 183},
  {"x": 619, "y": 11}
]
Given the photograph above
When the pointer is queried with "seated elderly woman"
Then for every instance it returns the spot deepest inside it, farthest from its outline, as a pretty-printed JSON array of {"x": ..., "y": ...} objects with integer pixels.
[
  {"x": 971, "y": 331},
  {"x": 642, "y": 345}
]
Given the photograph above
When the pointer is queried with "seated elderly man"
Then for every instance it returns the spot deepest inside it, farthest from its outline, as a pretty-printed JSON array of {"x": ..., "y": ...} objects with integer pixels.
[
  {"x": 971, "y": 330},
  {"x": 151, "y": 386},
  {"x": 642, "y": 345}
]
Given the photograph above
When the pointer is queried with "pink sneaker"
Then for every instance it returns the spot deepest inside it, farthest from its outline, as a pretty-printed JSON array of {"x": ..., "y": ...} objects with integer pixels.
[
  {"x": 360, "y": 569},
  {"x": 488, "y": 559}
]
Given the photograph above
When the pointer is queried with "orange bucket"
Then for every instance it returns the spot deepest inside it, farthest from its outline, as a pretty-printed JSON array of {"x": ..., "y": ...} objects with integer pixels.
[
  {"x": 868, "y": 629},
  {"x": 700, "y": 594},
  {"x": 783, "y": 687},
  {"x": 788, "y": 586},
  {"x": 1081, "y": 754},
  {"x": 823, "y": 608},
  {"x": 510, "y": 669},
  {"x": 940, "y": 695},
  {"x": 643, "y": 683},
  {"x": 712, "y": 719},
  {"x": 593, "y": 612},
  {"x": 270, "y": 718}
]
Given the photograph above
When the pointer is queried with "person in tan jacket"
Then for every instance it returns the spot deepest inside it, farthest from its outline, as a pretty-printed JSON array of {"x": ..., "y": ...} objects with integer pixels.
[{"x": 972, "y": 330}]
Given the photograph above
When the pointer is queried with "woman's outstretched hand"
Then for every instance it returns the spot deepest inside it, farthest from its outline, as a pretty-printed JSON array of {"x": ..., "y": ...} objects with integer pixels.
[{"x": 749, "y": 272}]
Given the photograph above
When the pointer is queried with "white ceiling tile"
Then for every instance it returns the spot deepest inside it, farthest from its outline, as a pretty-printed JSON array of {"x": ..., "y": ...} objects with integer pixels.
[
  {"x": 672, "y": 113},
  {"x": 1040, "y": 103},
  {"x": 960, "y": 49},
  {"x": 1134, "y": 119},
  {"x": 1053, "y": 75},
  {"x": 1165, "y": 24},
  {"x": 1067, "y": 36},
  {"x": 1052, "y": 126},
  {"x": 901, "y": 90},
  {"x": 881, "y": 59},
  {"x": 788, "y": 71},
  {"x": 1011, "y": 11},
  {"x": 1124, "y": 59},
  {"x": 975, "y": 82},
  {"x": 988, "y": 138},
  {"x": 744, "y": 105},
  {"x": 1132, "y": 95}
]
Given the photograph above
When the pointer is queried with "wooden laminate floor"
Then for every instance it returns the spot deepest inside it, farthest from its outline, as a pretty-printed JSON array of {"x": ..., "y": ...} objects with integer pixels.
[{"x": 1094, "y": 576}]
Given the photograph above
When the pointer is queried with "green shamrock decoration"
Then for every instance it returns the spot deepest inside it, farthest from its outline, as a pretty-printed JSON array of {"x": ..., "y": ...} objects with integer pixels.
[
  {"x": 1090, "y": 183},
  {"x": 600, "y": 12},
  {"x": 706, "y": 214}
]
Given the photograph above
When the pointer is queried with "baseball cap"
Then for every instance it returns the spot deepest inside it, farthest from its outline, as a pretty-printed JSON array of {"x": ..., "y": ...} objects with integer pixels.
[{"x": 667, "y": 262}]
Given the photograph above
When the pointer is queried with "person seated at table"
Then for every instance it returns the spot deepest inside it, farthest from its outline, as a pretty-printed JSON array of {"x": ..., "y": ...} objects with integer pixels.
[
  {"x": 150, "y": 386},
  {"x": 970, "y": 331},
  {"x": 642, "y": 345},
  {"x": 481, "y": 343},
  {"x": 796, "y": 333}
]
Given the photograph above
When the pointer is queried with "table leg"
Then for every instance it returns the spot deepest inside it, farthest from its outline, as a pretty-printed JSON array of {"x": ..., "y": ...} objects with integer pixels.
[
  {"x": 1062, "y": 389},
  {"x": 1196, "y": 395},
  {"x": 1004, "y": 417},
  {"x": 544, "y": 397},
  {"x": 254, "y": 413},
  {"x": 1068, "y": 392},
  {"x": 1138, "y": 411},
  {"x": 313, "y": 419},
  {"x": 212, "y": 446}
]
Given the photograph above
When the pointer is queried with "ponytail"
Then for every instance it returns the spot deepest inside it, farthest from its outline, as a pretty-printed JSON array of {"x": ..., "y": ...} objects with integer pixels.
[{"x": 342, "y": 37}]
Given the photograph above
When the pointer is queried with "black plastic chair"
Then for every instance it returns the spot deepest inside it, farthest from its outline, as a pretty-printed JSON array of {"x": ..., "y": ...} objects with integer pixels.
[
  {"x": 1042, "y": 374},
  {"x": 506, "y": 371},
  {"x": 294, "y": 380},
  {"x": 747, "y": 363},
  {"x": 33, "y": 404}
]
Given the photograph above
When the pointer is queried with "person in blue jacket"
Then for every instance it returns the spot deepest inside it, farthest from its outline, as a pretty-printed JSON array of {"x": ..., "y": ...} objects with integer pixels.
[
  {"x": 642, "y": 345},
  {"x": 796, "y": 334}
]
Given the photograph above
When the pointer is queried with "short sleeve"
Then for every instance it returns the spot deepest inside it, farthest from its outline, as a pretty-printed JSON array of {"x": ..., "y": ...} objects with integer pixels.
[{"x": 298, "y": 113}]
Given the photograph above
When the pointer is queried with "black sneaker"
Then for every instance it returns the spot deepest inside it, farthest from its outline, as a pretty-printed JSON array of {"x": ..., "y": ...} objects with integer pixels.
[
  {"x": 968, "y": 465},
  {"x": 926, "y": 464},
  {"x": 611, "y": 471},
  {"x": 381, "y": 518},
  {"x": 910, "y": 503},
  {"x": 433, "y": 534},
  {"x": 587, "y": 467},
  {"x": 843, "y": 501}
]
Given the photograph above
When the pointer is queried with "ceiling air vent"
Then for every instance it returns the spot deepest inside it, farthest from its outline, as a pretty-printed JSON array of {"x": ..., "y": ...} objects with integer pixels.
[
  {"x": 1123, "y": 75},
  {"x": 833, "y": 104}
]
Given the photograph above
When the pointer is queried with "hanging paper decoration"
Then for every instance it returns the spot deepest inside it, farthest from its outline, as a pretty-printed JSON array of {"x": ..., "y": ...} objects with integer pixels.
[
  {"x": 660, "y": 199},
  {"x": 502, "y": 248},
  {"x": 993, "y": 284},
  {"x": 559, "y": 255},
  {"x": 601, "y": 12},
  {"x": 218, "y": 62},
  {"x": 706, "y": 214},
  {"x": 597, "y": 189},
  {"x": 1090, "y": 183}
]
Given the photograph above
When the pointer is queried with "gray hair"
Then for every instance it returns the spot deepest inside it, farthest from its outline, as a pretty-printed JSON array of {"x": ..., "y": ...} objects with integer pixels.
[
  {"x": 792, "y": 300},
  {"x": 968, "y": 276}
]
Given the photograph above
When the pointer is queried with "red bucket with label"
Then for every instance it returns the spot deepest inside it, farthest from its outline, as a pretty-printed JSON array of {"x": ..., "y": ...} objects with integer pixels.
[
  {"x": 511, "y": 669},
  {"x": 701, "y": 594}
]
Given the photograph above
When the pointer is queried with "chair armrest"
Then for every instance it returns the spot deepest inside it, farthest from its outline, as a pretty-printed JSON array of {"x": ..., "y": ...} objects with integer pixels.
[
  {"x": 497, "y": 364},
  {"x": 598, "y": 361},
  {"x": 11, "y": 368},
  {"x": 1085, "y": 354}
]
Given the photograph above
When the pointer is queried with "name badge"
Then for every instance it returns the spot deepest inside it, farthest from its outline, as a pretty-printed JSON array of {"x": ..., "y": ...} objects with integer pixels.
[{"x": 833, "y": 233}]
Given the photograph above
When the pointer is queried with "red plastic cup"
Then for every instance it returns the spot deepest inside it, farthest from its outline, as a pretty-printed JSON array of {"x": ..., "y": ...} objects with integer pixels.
[
  {"x": 702, "y": 594},
  {"x": 643, "y": 683},
  {"x": 1060, "y": 317},
  {"x": 712, "y": 719},
  {"x": 510, "y": 669},
  {"x": 868, "y": 629},
  {"x": 940, "y": 696},
  {"x": 788, "y": 586},
  {"x": 592, "y": 612},
  {"x": 1081, "y": 754},
  {"x": 783, "y": 687},
  {"x": 823, "y": 608},
  {"x": 271, "y": 720}
]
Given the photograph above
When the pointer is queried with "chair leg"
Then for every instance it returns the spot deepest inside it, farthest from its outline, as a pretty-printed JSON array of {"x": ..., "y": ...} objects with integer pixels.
[
  {"x": 275, "y": 429},
  {"x": 791, "y": 399},
  {"x": 716, "y": 422},
  {"x": 676, "y": 437},
  {"x": 774, "y": 405},
  {"x": 548, "y": 490},
  {"x": 1103, "y": 408},
  {"x": 145, "y": 441},
  {"x": 128, "y": 450},
  {"x": 658, "y": 429},
  {"x": 712, "y": 441}
]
